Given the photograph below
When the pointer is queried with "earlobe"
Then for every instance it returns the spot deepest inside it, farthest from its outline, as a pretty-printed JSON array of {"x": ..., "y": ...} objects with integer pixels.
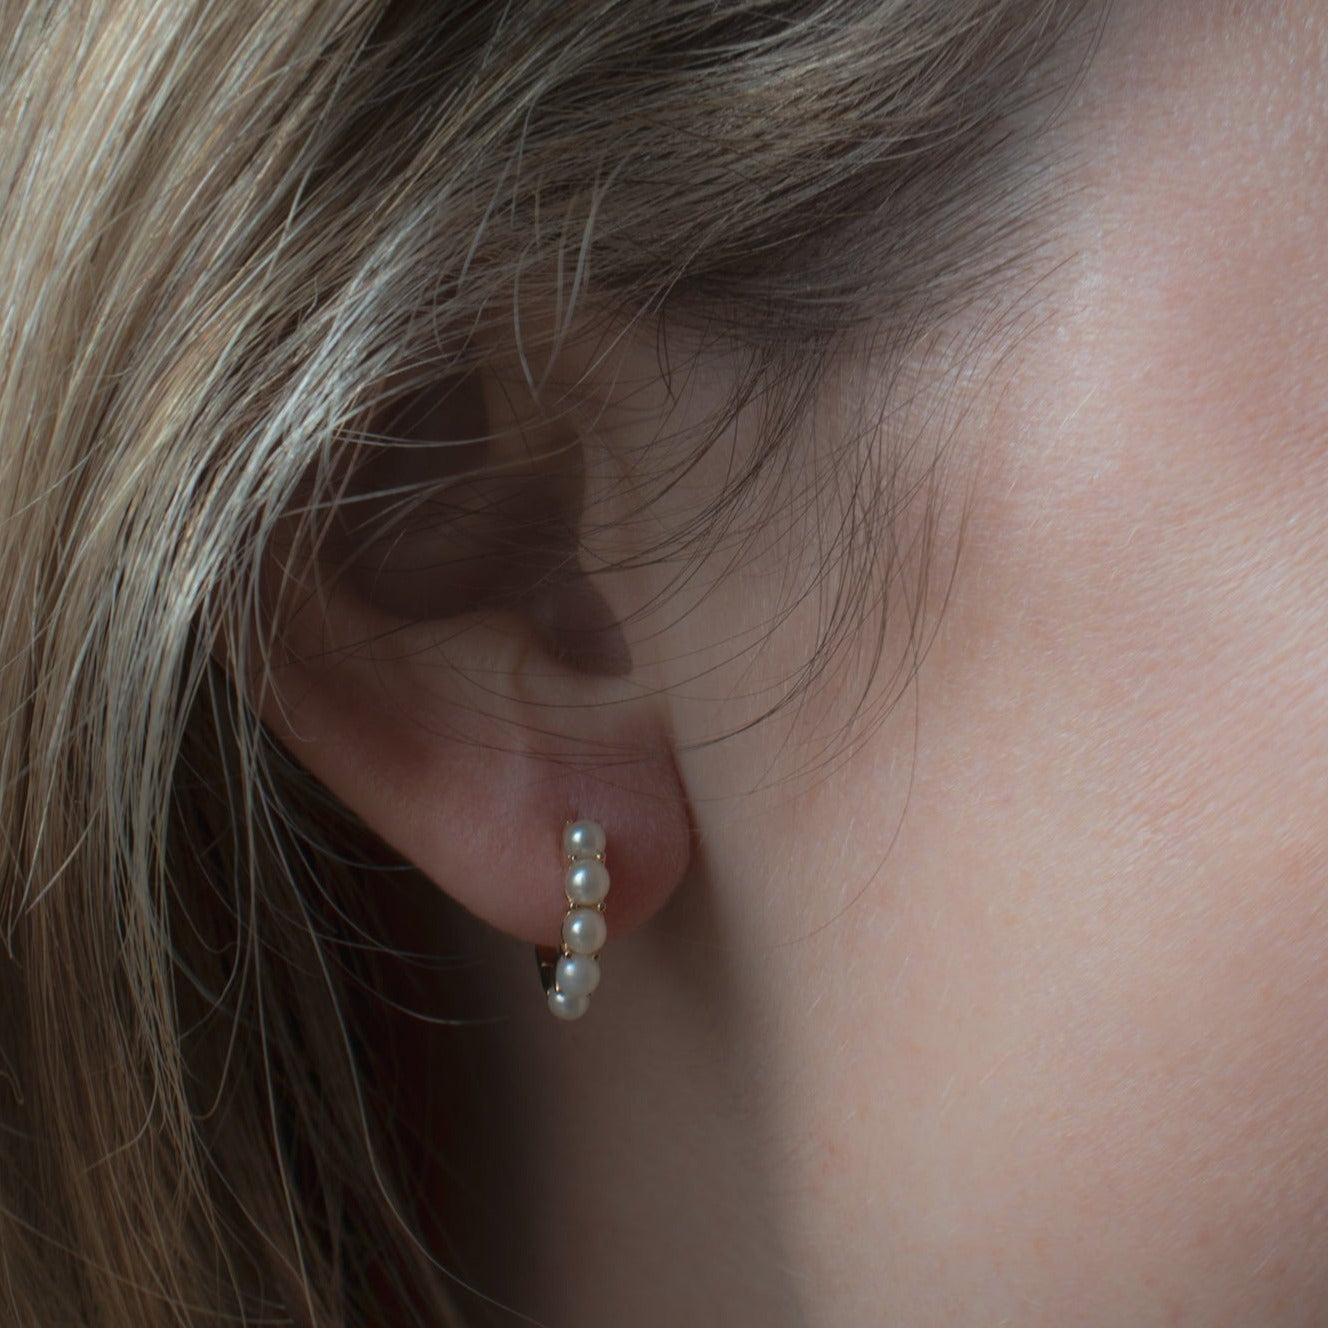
[{"x": 466, "y": 690}]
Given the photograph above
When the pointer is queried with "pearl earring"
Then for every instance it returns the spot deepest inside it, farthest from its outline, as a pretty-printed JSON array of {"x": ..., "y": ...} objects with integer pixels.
[{"x": 571, "y": 972}]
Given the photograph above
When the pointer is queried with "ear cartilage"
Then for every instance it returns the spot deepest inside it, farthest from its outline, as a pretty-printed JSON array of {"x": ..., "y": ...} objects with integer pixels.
[{"x": 571, "y": 971}]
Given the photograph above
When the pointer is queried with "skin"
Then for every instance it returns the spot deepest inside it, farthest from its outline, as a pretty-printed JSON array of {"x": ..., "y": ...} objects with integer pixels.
[{"x": 1011, "y": 1011}]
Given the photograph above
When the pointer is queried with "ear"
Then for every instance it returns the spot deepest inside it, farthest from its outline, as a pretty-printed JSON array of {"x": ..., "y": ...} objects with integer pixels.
[{"x": 449, "y": 666}]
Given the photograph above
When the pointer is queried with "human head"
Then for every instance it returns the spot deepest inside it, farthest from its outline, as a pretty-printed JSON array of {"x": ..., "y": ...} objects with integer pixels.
[{"x": 632, "y": 251}]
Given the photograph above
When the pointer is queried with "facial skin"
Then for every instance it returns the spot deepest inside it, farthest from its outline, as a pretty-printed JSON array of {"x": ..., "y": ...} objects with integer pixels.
[{"x": 1018, "y": 1012}]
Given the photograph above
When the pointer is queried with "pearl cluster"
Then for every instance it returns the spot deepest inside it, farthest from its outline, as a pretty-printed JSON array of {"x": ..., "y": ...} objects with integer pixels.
[{"x": 586, "y": 883}]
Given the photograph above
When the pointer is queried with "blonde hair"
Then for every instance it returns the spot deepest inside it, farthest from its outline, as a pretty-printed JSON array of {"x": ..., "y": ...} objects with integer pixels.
[{"x": 227, "y": 227}]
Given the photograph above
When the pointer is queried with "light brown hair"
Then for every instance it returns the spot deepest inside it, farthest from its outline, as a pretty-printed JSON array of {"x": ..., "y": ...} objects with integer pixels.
[{"x": 231, "y": 231}]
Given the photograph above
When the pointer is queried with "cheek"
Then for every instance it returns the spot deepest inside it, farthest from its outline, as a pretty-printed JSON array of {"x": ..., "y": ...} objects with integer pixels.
[
  {"x": 1112, "y": 1032},
  {"x": 1159, "y": 530},
  {"x": 1121, "y": 977}
]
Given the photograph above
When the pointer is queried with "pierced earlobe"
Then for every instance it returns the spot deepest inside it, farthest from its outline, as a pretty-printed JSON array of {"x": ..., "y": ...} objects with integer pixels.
[
  {"x": 445, "y": 665},
  {"x": 570, "y": 971}
]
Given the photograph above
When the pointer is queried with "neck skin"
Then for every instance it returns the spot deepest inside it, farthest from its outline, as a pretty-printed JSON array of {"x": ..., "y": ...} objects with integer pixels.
[{"x": 612, "y": 1171}]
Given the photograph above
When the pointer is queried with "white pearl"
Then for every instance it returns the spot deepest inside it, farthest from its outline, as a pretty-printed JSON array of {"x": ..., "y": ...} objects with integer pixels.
[
  {"x": 583, "y": 839},
  {"x": 585, "y": 931},
  {"x": 587, "y": 881},
  {"x": 578, "y": 974},
  {"x": 564, "y": 1006}
]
